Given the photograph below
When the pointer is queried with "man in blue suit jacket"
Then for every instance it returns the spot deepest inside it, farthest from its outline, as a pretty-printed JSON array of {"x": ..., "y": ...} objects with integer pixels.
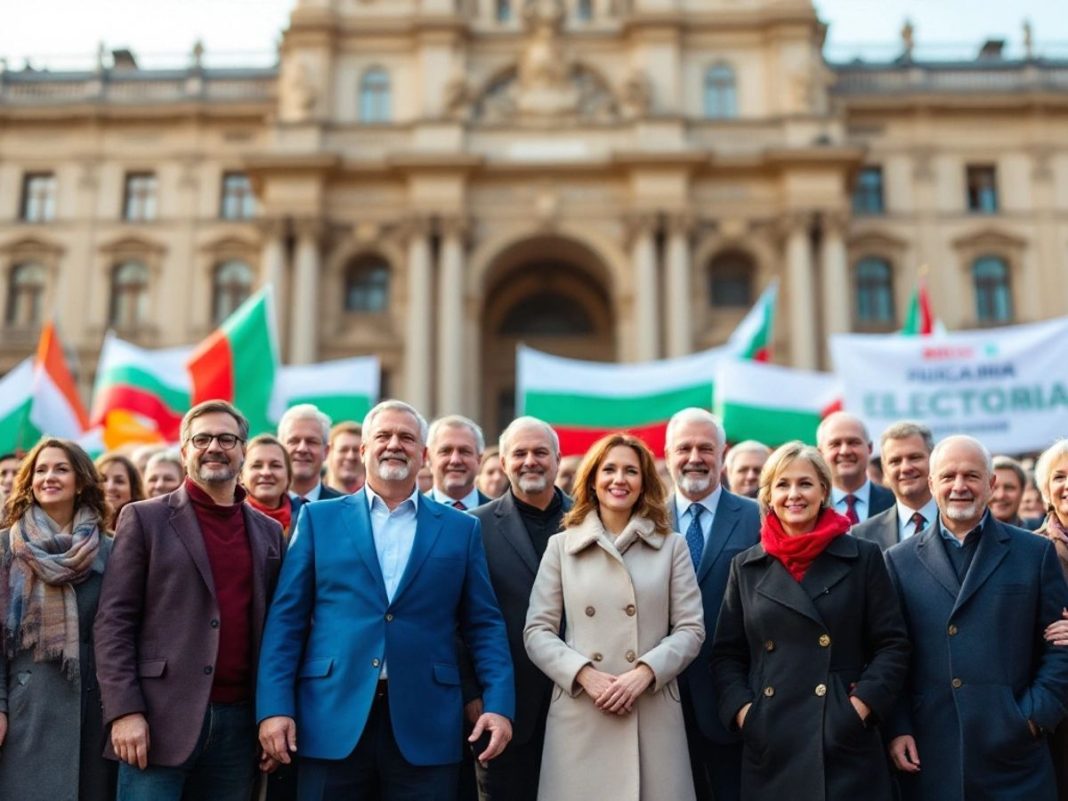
[
  {"x": 359, "y": 657},
  {"x": 717, "y": 525},
  {"x": 984, "y": 686}
]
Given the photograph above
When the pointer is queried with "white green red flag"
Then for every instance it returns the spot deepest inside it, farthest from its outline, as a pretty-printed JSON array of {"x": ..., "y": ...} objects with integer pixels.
[
  {"x": 583, "y": 401},
  {"x": 773, "y": 404},
  {"x": 752, "y": 338},
  {"x": 343, "y": 389},
  {"x": 140, "y": 394},
  {"x": 16, "y": 399},
  {"x": 239, "y": 361}
]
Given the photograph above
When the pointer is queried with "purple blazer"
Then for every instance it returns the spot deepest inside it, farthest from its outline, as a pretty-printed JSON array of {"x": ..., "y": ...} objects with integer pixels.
[{"x": 157, "y": 625}]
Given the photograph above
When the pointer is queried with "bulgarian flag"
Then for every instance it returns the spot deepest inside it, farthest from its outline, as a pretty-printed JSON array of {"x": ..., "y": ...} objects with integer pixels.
[
  {"x": 583, "y": 401},
  {"x": 239, "y": 361},
  {"x": 344, "y": 389},
  {"x": 16, "y": 400},
  {"x": 752, "y": 337},
  {"x": 40, "y": 398},
  {"x": 773, "y": 404},
  {"x": 920, "y": 319},
  {"x": 140, "y": 395}
]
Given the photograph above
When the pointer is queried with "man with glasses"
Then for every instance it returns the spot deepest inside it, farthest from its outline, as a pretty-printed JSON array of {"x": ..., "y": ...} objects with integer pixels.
[{"x": 178, "y": 629}]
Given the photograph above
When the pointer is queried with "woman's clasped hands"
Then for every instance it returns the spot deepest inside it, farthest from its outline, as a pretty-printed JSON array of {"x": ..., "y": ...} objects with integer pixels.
[{"x": 615, "y": 695}]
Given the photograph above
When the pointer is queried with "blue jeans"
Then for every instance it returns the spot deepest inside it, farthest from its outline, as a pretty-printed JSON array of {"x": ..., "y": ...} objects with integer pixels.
[{"x": 222, "y": 766}]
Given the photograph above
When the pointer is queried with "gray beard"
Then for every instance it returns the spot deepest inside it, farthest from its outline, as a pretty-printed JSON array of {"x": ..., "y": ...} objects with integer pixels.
[
  {"x": 532, "y": 483},
  {"x": 389, "y": 473},
  {"x": 694, "y": 484}
]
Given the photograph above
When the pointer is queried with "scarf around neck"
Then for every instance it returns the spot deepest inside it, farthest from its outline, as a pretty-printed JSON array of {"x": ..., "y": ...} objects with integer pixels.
[
  {"x": 797, "y": 552},
  {"x": 41, "y": 567},
  {"x": 1054, "y": 530},
  {"x": 283, "y": 513}
]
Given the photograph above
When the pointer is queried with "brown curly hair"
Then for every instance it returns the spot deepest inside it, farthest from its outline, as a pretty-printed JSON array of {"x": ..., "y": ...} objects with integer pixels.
[
  {"x": 652, "y": 500},
  {"x": 86, "y": 482}
]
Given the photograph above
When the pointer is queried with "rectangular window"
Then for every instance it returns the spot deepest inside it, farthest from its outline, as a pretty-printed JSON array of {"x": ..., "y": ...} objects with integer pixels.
[
  {"x": 38, "y": 197},
  {"x": 868, "y": 192},
  {"x": 982, "y": 189},
  {"x": 238, "y": 202},
  {"x": 139, "y": 204}
]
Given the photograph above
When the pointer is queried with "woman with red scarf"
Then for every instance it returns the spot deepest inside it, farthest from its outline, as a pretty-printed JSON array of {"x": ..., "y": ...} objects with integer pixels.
[
  {"x": 266, "y": 476},
  {"x": 810, "y": 650}
]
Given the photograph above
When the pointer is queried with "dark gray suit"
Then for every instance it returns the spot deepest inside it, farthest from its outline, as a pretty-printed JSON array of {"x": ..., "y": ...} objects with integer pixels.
[
  {"x": 880, "y": 500},
  {"x": 882, "y": 529},
  {"x": 715, "y": 753}
]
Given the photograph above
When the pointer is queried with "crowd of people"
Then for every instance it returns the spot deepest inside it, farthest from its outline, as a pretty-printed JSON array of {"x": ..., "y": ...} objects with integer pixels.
[{"x": 390, "y": 609}]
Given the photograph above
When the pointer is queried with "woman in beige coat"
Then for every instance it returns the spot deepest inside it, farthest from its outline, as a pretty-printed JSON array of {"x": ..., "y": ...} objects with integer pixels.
[{"x": 625, "y": 585}]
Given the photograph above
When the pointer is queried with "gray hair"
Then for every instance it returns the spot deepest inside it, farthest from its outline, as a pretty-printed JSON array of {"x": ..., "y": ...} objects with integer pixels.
[
  {"x": 166, "y": 456},
  {"x": 1008, "y": 463},
  {"x": 304, "y": 411},
  {"x": 694, "y": 414},
  {"x": 520, "y": 423},
  {"x": 456, "y": 421},
  {"x": 1044, "y": 466},
  {"x": 958, "y": 438},
  {"x": 903, "y": 429},
  {"x": 213, "y": 407},
  {"x": 394, "y": 406},
  {"x": 746, "y": 446},
  {"x": 826, "y": 421}
]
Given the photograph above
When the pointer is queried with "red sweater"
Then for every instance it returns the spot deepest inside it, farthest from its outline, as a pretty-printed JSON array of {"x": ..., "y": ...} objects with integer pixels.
[{"x": 226, "y": 541}]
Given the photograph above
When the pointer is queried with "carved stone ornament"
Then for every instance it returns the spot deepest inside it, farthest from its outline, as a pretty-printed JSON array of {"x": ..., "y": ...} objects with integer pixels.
[
  {"x": 637, "y": 94},
  {"x": 299, "y": 96}
]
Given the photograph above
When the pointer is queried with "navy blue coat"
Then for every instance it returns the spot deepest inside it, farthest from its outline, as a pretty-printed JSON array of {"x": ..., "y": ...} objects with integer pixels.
[
  {"x": 735, "y": 528},
  {"x": 331, "y": 625},
  {"x": 980, "y": 668}
]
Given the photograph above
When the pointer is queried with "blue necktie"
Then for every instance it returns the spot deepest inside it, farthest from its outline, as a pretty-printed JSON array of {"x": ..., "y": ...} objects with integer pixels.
[{"x": 694, "y": 537}]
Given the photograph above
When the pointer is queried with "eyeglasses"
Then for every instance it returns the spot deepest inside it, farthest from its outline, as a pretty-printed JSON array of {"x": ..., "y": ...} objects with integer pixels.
[{"x": 226, "y": 441}]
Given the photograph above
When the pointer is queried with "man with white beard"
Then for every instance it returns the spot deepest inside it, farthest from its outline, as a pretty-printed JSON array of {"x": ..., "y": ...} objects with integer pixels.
[
  {"x": 515, "y": 530},
  {"x": 717, "y": 525}
]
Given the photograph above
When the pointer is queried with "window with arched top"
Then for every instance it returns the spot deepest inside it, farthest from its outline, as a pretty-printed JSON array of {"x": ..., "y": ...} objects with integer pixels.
[
  {"x": 367, "y": 286},
  {"x": 730, "y": 280},
  {"x": 25, "y": 295},
  {"x": 874, "y": 281},
  {"x": 993, "y": 291},
  {"x": 129, "y": 295},
  {"x": 231, "y": 285},
  {"x": 720, "y": 93},
  {"x": 374, "y": 96}
]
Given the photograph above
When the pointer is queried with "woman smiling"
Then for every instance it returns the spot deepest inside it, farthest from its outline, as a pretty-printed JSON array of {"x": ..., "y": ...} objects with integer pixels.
[
  {"x": 625, "y": 584},
  {"x": 53, "y": 550},
  {"x": 266, "y": 476},
  {"x": 810, "y": 649}
]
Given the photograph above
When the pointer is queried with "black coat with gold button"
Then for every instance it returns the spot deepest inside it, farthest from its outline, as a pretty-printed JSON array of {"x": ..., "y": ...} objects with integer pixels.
[{"x": 797, "y": 651}]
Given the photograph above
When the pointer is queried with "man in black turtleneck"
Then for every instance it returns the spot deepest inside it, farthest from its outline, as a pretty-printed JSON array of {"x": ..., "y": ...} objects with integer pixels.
[{"x": 515, "y": 531}]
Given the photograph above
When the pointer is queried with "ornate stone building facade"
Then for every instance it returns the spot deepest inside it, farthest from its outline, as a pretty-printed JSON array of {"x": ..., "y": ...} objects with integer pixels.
[{"x": 435, "y": 181}]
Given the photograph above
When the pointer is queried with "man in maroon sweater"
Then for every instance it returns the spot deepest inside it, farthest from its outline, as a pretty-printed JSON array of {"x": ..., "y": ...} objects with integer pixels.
[{"x": 178, "y": 629}]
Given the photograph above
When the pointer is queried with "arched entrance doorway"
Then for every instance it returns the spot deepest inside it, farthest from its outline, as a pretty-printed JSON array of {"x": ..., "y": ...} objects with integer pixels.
[{"x": 552, "y": 295}]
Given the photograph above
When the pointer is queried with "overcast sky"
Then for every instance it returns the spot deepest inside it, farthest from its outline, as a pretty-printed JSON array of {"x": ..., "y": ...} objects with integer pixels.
[{"x": 54, "y": 32}]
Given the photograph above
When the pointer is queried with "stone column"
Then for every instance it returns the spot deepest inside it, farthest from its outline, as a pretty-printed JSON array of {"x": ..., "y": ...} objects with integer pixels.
[
  {"x": 679, "y": 295},
  {"x": 303, "y": 332},
  {"x": 646, "y": 302},
  {"x": 450, "y": 355},
  {"x": 803, "y": 316},
  {"x": 837, "y": 288},
  {"x": 417, "y": 357}
]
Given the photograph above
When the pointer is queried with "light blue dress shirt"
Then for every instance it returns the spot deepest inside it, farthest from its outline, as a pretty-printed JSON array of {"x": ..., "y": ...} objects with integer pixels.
[
  {"x": 905, "y": 527},
  {"x": 862, "y": 503},
  {"x": 710, "y": 503},
  {"x": 470, "y": 501},
  {"x": 394, "y": 536}
]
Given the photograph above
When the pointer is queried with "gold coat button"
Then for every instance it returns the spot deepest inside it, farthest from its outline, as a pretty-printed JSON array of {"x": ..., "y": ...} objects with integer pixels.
[
  {"x": 630, "y": 610},
  {"x": 631, "y": 656},
  {"x": 825, "y": 641},
  {"x": 957, "y": 684},
  {"x": 769, "y": 691},
  {"x": 590, "y": 611},
  {"x": 769, "y": 645},
  {"x": 952, "y": 630},
  {"x": 597, "y": 657},
  {"x": 821, "y": 690}
]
